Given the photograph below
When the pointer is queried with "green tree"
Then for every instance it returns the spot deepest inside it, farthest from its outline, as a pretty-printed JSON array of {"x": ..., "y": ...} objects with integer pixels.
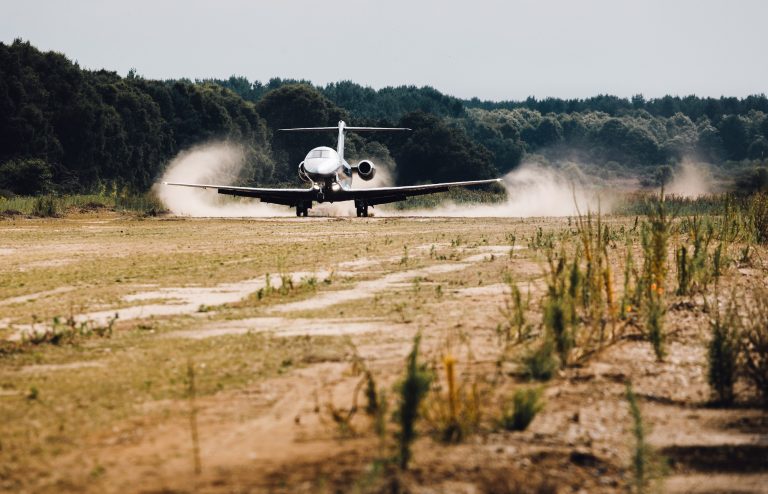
[
  {"x": 735, "y": 135},
  {"x": 435, "y": 152},
  {"x": 26, "y": 176}
]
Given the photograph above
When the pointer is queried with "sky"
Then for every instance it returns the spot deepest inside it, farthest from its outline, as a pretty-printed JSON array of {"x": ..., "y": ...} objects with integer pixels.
[{"x": 496, "y": 50}]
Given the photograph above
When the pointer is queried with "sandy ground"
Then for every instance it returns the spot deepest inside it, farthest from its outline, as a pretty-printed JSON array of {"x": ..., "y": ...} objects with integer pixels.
[{"x": 272, "y": 429}]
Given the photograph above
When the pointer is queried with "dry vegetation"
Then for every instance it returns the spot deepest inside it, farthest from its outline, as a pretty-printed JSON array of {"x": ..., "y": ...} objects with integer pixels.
[{"x": 596, "y": 353}]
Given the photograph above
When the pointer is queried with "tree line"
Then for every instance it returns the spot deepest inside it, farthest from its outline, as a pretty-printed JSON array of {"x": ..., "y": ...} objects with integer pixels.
[{"x": 66, "y": 129}]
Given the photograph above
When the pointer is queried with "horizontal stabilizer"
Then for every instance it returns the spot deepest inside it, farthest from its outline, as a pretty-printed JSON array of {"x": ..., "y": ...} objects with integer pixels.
[{"x": 356, "y": 129}]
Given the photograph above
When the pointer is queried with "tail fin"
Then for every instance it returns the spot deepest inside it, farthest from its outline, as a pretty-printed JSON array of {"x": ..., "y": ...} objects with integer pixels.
[{"x": 341, "y": 128}]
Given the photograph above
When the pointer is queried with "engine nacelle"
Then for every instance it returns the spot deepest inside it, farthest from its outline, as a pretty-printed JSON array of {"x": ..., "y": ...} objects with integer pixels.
[
  {"x": 366, "y": 170},
  {"x": 303, "y": 173}
]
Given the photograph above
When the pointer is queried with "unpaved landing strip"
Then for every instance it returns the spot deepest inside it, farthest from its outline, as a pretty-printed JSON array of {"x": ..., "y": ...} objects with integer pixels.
[{"x": 272, "y": 314}]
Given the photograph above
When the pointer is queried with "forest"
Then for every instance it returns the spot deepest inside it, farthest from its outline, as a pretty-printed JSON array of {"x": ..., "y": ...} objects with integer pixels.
[{"x": 64, "y": 129}]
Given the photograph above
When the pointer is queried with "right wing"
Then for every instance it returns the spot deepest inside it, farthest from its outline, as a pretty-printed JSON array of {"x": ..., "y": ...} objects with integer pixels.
[
  {"x": 384, "y": 195},
  {"x": 285, "y": 197}
]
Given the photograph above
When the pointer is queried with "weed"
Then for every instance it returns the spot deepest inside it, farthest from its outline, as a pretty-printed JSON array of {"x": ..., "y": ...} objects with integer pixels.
[
  {"x": 628, "y": 301},
  {"x": 455, "y": 414},
  {"x": 655, "y": 324},
  {"x": 559, "y": 310},
  {"x": 439, "y": 292},
  {"x": 757, "y": 212},
  {"x": 692, "y": 272},
  {"x": 191, "y": 395},
  {"x": 540, "y": 240},
  {"x": 519, "y": 412},
  {"x": 754, "y": 342},
  {"x": 641, "y": 454},
  {"x": 68, "y": 332},
  {"x": 404, "y": 259},
  {"x": 654, "y": 238},
  {"x": 412, "y": 389},
  {"x": 45, "y": 207},
  {"x": 723, "y": 354},
  {"x": 513, "y": 312},
  {"x": 33, "y": 394},
  {"x": 540, "y": 364}
]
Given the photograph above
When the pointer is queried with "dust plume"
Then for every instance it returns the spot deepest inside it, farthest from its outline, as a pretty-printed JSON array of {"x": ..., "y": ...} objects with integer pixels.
[
  {"x": 215, "y": 163},
  {"x": 691, "y": 179},
  {"x": 532, "y": 190}
]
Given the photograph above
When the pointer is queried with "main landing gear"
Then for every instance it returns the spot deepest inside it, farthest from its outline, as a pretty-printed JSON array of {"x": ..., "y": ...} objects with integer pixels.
[
  {"x": 302, "y": 209},
  {"x": 362, "y": 209}
]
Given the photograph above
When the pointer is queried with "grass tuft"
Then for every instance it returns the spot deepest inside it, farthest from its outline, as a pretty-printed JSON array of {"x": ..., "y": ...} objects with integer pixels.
[
  {"x": 519, "y": 412},
  {"x": 413, "y": 388}
]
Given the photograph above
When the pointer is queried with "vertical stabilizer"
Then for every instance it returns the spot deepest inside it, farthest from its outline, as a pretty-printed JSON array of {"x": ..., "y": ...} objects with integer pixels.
[{"x": 340, "y": 144}]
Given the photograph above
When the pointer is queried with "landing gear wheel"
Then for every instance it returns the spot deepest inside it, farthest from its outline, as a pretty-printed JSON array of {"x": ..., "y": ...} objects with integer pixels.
[
  {"x": 302, "y": 210},
  {"x": 362, "y": 211}
]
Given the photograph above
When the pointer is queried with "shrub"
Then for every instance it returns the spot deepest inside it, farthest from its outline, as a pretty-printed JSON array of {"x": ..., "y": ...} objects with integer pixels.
[
  {"x": 722, "y": 355},
  {"x": 641, "y": 453},
  {"x": 413, "y": 388},
  {"x": 26, "y": 176},
  {"x": 455, "y": 414},
  {"x": 540, "y": 363},
  {"x": 519, "y": 412},
  {"x": 754, "y": 342},
  {"x": 757, "y": 210},
  {"x": 45, "y": 207},
  {"x": 654, "y": 238}
]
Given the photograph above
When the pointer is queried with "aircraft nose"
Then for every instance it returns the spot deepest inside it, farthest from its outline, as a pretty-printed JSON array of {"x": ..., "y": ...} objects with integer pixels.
[{"x": 320, "y": 167}]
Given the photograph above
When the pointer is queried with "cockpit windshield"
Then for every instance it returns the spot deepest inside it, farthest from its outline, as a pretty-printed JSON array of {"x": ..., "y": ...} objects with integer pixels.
[{"x": 319, "y": 153}]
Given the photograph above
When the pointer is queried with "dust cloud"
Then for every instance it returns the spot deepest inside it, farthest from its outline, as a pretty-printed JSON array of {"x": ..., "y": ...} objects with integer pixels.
[
  {"x": 216, "y": 163},
  {"x": 532, "y": 190},
  {"x": 691, "y": 179}
]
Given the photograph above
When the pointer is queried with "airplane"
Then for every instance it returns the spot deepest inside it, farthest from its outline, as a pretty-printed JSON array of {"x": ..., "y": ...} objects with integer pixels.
[{"x": 330, "y": 179}]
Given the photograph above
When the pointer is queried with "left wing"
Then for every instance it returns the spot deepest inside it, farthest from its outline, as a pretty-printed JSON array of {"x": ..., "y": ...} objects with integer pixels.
[{"x": 285, "y": 197}]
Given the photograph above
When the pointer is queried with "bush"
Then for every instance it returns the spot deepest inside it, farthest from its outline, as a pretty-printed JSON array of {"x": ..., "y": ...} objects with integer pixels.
[
  {"x": 754, "y": 342},
  {"x": 26, "y": 176},
  {"x": 520, "y": 412},
  {"x": 413, "y": 388},
  {"x": 455, "y": 414},
  {"x": 45, "y": 207},
  {"x": 540, "y": 363},
  {"x": 757, "y": 210},
  {"x": 723, "y": 355},
  {"x": 753, "y": 180}
]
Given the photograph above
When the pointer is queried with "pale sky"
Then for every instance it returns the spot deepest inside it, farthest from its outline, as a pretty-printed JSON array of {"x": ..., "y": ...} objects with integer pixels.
[{"x": 490, "y": 49}]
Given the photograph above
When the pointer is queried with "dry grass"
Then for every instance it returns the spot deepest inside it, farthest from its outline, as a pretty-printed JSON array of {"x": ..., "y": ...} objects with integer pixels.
[{"x": 141, "y": 375}]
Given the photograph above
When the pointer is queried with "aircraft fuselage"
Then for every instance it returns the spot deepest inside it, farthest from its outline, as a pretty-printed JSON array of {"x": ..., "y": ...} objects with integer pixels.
[{"x": 327, "y": 170}]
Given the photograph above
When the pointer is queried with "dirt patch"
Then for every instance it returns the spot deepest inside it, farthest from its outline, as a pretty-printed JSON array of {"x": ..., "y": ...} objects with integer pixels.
[
  {"x": 285, "y": 327},
  {"x": 44, "y": 368},
  {"x": 35, "y": 296},
  {"x": 368, "y": 289}
]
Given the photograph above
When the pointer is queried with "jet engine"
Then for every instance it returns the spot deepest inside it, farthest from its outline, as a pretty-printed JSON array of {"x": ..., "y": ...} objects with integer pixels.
[
  {"x": 303, "y": 173},
  {"x": 366, "y": 170}
]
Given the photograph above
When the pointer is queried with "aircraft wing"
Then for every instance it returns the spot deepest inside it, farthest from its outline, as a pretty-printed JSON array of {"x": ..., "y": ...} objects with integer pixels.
[
  {"x": 384, "y": 195},
  {"x": 372, "y": 197},
  {"x": 285, "y": 197}
]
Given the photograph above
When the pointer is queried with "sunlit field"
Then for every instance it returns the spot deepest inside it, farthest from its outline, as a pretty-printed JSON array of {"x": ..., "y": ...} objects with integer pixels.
[{"x": 595, "y": 352}]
